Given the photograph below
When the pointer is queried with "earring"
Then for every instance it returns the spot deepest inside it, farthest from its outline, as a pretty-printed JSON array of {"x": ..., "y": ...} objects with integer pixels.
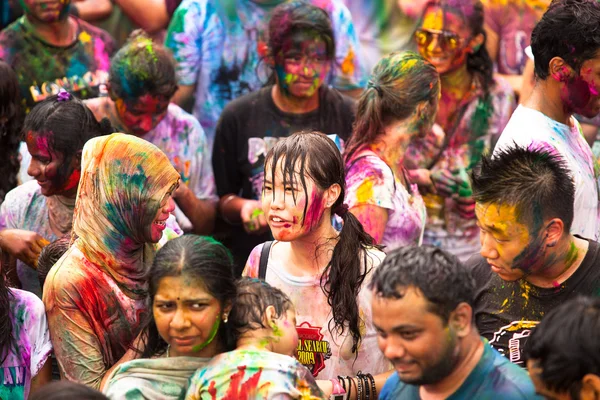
[{"x": 225, "y": 318}]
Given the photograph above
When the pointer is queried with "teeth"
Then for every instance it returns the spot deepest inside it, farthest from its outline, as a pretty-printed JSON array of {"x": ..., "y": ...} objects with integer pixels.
[
  {"x": 162, "y": 223},
  {"x": 275, "y": 219}
]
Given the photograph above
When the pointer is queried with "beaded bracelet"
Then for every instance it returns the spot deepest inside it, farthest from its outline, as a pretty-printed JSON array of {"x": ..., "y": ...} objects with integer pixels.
[
  {"x": 359, "y": 388},
  {"x": 373, "y": 387}
]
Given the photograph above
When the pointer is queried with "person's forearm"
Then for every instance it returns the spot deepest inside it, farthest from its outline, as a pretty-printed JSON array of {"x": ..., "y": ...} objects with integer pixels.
[
  {"x": 150, "y": 15},
  {"x": 201, "y": 213},
  {"x": 131, "y": 354},
  {"x": 230, "y": 207},
  {"x": 92, "y": 10}
]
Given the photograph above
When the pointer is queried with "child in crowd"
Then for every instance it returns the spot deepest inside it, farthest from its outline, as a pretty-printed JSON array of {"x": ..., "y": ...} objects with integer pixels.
[
  {"x": 473, "y": 110},
  {"x": 191, "y": 287},
  {"x": 40, "y": 211},
  {"x": 141, "y": 83},
  {"x": 95, "y": 295},
  {"x": 25, "y": 345},
  {"x": 400, "y": 103},
  {"x": 51, "y": 49},
  {"x": 301, "y": 54},
  {"x": 263, "y": 324},
  {"x": 322, "y": 270}
]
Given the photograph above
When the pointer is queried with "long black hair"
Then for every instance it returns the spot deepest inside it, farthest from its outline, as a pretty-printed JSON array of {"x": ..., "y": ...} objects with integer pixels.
[
  {"x": 312, "y": 154},
  {"x": 11, "y": 120},
  {"x": 68, "y": 124},
  {"x": 196, "y": 257},
  {"x": 7, "y": 339}
]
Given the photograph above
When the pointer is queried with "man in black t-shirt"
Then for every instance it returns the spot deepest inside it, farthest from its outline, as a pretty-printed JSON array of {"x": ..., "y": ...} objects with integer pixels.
[{"x": 529, "y": 261}]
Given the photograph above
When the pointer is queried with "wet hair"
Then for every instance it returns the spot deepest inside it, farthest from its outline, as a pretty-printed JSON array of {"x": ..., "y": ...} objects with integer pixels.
[
  {"x": 399, "y": 82},
  {"x": 7, "y": 339},
  {"x": 311, "y": 154},
  {"x": 294, "y": 17},
  {"x": 142, "y": 67},
  {"x": 536, "y": 182},
  {"x": 248, "y": 310},
  {"x": 67, "y": 123},
  {"x": 566, "y": 345},
  {"x": 50, "y": 255},
  {"x": 11, "y": 120},
  {"x": 439, "y": 275},
  {"x": 569, "y": 29},
  {"x": 479, "y": 63},
  {"x": 199, "y": 258},
  {"x": 66, "y": 390}
]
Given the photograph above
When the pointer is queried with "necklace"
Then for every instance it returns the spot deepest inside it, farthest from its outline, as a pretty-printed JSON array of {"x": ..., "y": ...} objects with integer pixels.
[{"x": 168, "y": 347}]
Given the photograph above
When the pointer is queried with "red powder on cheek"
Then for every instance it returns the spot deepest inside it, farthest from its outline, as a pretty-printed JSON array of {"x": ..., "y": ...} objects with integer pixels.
[
  {"x": 73, "y": 180},
  {"x": 315, "y": 210}
]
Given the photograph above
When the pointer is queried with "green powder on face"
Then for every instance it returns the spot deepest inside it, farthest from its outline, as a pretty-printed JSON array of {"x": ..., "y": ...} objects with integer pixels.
[{"x": 211, "y": 336}]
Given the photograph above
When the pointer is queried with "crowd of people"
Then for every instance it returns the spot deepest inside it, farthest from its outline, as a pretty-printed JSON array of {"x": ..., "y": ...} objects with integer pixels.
[{"x": 299, "y": 199}]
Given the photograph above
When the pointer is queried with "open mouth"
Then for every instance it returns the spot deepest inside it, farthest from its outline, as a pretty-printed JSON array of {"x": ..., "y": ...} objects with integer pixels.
[{"x": 162, "y": 223}]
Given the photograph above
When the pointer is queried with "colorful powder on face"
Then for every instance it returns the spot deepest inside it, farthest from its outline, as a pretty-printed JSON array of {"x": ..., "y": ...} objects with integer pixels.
[
  {"x": 211, "y": 336},
  {"x": 314, "y": 214}
]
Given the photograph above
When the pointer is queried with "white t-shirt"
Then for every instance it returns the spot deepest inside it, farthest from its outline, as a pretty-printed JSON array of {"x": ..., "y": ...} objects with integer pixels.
[
  {"x": 32, "y": 341},
  {"x": 324, "y": 354},
  {"x": 528, "y": 127}
]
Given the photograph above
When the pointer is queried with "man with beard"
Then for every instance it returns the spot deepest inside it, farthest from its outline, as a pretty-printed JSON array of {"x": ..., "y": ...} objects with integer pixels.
[
  {"x": 50, "y": 49},
  {"x": 422, "y": 310},
  {"x": 530, "y": 263},
  {"x": 566, "y": 50}
]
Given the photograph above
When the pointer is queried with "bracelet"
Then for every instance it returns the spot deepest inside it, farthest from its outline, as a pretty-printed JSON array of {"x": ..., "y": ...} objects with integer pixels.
[
  {"x": 337, "y": 387},
  {"x": 359, "y": 388},
  {"x": 373, "y": 387},
  {"x": 222, "y": 206}
]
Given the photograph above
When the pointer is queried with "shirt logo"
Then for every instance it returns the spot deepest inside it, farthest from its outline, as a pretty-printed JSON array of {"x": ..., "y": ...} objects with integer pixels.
[{"x": 312, "y": 350}]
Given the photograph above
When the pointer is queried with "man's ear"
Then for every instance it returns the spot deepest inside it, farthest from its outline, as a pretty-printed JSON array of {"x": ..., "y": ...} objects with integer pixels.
[
  {"x": 461, "y": 320},
  {"x": 559, "y": 70},
  {"x": 590, "y": 387},
  {"x": 554, "y": 231}
]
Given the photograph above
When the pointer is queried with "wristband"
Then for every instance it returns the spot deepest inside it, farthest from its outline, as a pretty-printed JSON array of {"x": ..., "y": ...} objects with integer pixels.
[{"x": 338, "y": 392}]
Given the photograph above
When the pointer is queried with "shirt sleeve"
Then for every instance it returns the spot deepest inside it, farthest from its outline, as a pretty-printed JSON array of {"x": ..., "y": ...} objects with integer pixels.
[
  {"x": 76, "y": 346},
  {"x": 185, "y": 39},
  {"x": 349, "y": 73},
  {"x": 39, "y": 335},
  {"x": 370, "y": 182}
]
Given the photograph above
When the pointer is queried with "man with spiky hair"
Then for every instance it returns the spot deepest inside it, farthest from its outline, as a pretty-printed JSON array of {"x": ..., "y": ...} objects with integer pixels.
[{"x": 529, "y": 261}]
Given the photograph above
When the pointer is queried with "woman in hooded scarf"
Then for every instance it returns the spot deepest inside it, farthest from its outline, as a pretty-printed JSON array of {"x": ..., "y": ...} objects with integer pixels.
[{"x": 96, "y": 294}]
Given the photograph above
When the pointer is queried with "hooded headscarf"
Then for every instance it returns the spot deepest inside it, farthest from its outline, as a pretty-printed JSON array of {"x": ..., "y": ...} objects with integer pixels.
[{"x": 123, "y": 181}]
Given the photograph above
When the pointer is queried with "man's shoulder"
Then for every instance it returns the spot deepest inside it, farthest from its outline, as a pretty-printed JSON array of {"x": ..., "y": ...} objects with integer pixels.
[
  {"x": 244, "y": 105},
  {"x": 93, "y": 32},
  {"x": 508, "y": 378},
  {"x": 395, "y": 389}
]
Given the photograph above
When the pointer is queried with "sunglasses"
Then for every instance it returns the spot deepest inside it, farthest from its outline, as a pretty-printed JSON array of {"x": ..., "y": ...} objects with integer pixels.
[{"x": 447, "y": 40}]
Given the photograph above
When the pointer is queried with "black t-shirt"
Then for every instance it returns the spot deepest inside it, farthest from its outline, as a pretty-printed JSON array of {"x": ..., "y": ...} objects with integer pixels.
[
  {"x": 506, "y": 312},
  {"x": 248, "y": 127}
]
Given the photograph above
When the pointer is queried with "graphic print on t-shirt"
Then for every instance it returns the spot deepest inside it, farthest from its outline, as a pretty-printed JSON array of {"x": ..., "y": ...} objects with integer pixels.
[
  {"x": 513, "y": 338},
  {"x": 13, "y": 382},
  {"x": 312, "y": 350}
]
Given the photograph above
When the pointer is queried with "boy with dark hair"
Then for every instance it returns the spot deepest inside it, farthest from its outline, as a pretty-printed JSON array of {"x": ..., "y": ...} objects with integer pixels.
[
  {"x": 563, "y": 351},
  {"x": 566, "y": 48},
  {"x": 50, "y": 49},
  {"x": 422, "y": 309},
  {"x": 529, "y": 262}
]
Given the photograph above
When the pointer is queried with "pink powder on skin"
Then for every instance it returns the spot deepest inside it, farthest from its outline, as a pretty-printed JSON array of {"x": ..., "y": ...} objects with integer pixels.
[{"x": 314, "y": 213}]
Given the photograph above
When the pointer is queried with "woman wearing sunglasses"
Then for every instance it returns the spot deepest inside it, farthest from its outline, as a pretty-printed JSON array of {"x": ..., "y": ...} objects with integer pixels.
[{"x": 473, "y": 110}]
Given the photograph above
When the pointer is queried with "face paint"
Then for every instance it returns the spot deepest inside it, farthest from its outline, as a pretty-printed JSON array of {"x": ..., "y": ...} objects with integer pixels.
[
  {"x": 302, "y": 66},
  {"x": 581, "y": 93},
  {"x": 46, "y": 11},
  {"x": 443, "y": 39},
  {"x": 54, "y": 174},
  {"x": 142, "y": 115}
]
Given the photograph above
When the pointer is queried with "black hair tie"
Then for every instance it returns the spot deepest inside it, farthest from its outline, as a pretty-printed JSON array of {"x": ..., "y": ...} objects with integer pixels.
[{"x": 341, "y": 210}]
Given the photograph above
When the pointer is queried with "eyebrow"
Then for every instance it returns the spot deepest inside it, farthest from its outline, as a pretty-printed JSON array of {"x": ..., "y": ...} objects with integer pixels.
[{"x": 399, "y": 328}]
